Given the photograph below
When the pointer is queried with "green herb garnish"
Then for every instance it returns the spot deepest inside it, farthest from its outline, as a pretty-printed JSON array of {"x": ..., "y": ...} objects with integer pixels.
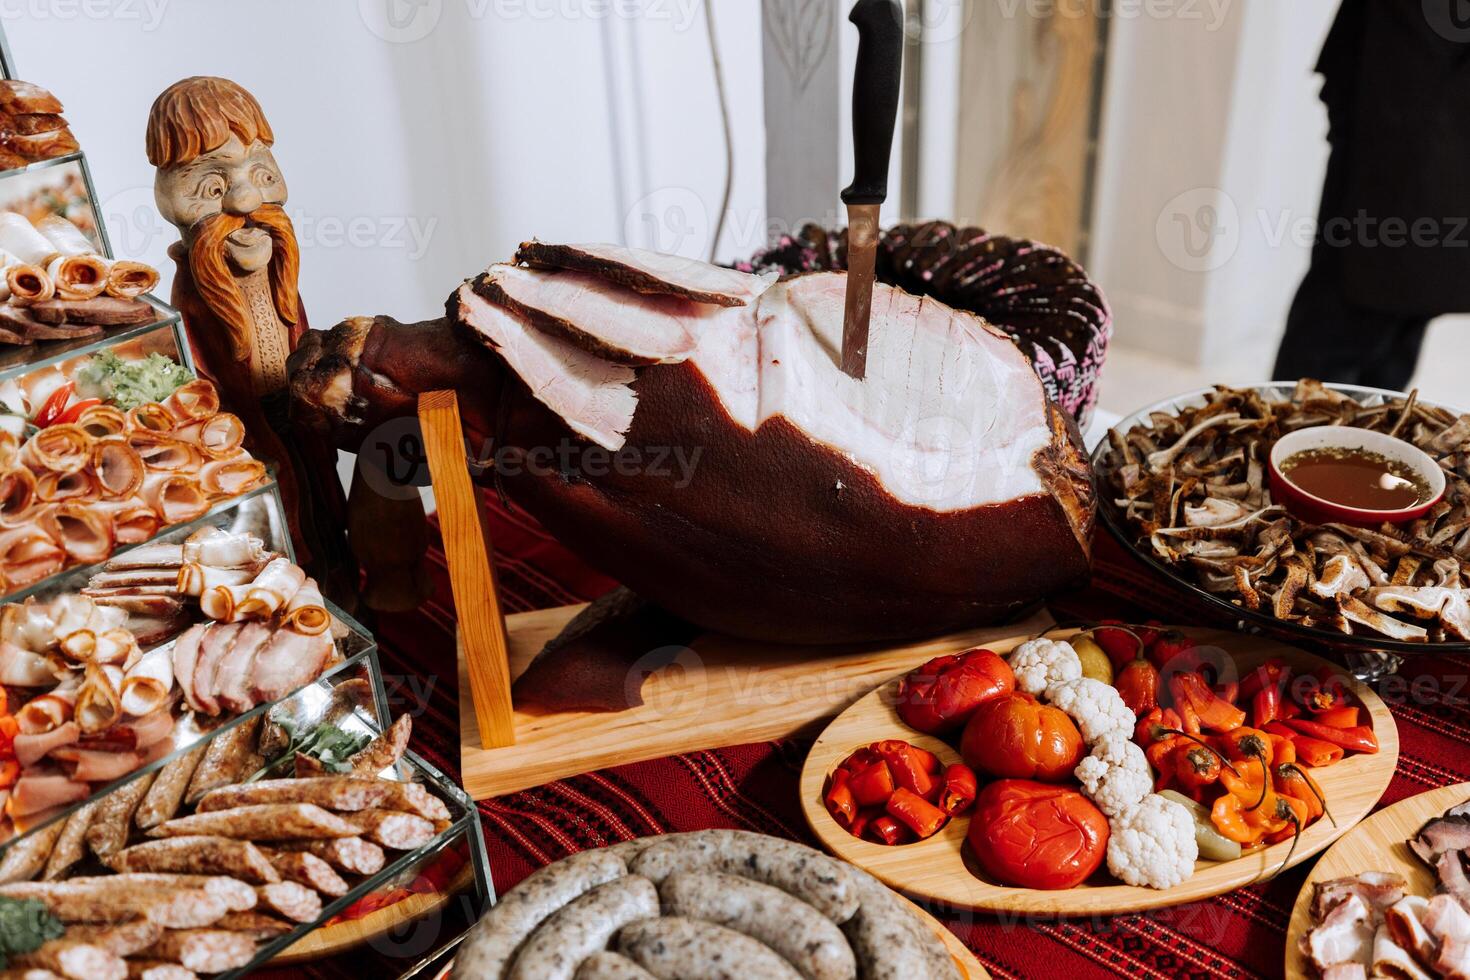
[
  {"x": 128, "y": 384},
  {"x": 24, "y": 926},
  {"x": 333, "y": 747}
]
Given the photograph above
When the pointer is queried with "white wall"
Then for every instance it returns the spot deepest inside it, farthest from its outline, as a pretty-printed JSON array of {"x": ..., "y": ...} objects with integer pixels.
[{"x": 413, "y": 161}]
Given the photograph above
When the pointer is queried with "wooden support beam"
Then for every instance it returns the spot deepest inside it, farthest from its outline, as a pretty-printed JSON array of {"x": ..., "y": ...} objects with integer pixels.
[{"x": 467, "y": 552}]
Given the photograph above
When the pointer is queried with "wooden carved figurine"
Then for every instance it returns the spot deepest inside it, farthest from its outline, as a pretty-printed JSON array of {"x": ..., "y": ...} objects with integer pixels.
[{"x": 236, "y": 286}]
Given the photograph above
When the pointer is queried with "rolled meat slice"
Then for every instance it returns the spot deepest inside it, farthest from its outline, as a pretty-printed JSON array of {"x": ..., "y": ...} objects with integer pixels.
[
  {"x": 193, "y": 401},
  {"x": 17, "y": 495},
  {"x": 98, "y": 704},
  {"x": 150, "y": 417},
  {"x": 164, "y": 452},
  {"x": 65, "y": 237},
  {"x": 118, "y": 467},
  {"x": 196, "y": 579},
  {"x": 83, "y": 533},
  {"x": 32, "y": 748},
  {"x": 38, "y": 792},
  {"x": 306, "y": 611},
  {"x": 46, "y": 712},
  {"x": 218, "y": 436},
  {"x": 96, "y": 765},
  {"x": 28, "y": 284},
  {"x": 198, "y": 855},
  {"x": 21, "y": 238},
  {"x": 133, "y": 520},
  {"x": 176, "y": 498},
  {"x": 27, "y": 555},
  {"x": 100, "y": 421},
  {"x": 127, "y": 279},
  {"x": 148, "y": 683},
  {"x": 232, "y": 477},
  {"x": 276, "y": 583},
  {"x": 222, "y": 549},
  {"x": 150, "y": 733},
  {"x": 53, "y": 488},
  {"x": 78, "y": 276},
  {"x": 58, "y": 448}
]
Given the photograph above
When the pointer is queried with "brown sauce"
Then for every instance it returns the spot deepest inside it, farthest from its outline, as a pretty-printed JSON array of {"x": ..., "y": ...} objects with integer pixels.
[{"x": 1355, "y": 478}]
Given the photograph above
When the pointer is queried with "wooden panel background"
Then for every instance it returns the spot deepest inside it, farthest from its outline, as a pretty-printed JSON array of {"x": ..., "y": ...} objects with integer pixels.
[{"x": 1029, "y": 81}]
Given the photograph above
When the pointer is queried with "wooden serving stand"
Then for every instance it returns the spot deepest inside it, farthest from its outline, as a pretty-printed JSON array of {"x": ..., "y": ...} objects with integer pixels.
[{"x": 719, "y": 692}]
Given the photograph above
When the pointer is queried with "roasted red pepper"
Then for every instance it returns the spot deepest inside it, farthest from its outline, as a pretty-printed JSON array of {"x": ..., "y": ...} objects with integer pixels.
[
  {"x": 1173, "y": 651},
  {"x": 1343, "y": 716},
  {"x": 1359, "y": 738},
  {"x": 1138, "y": 684},
  {"x": 959, "y": 789},
  {"x": 54, "y": 404},
  {"x": 839, "y": 799},
  {"x": 1192, "y": 696},
  {"x": 1262, "y": 687},
  {"x": 1309, "y": 751},
  {"x": 916, "y": 813},
  {"x": 872, "y": 786},
  {"x": 913, "y": 768},
  {"x": 1120, "y": 642},
  {"x": 885, "y": 830},
  {"x": 75, "y": 411},
  {"x": 942, "y": 694}
]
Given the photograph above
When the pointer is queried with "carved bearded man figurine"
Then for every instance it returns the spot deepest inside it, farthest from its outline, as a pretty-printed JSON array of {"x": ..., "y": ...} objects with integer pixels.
[{"x": 218, "y": 183}]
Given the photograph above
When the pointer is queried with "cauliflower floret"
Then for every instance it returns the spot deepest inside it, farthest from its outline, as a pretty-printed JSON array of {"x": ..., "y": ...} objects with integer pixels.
[
  {"x": 1038, "y": 664},
  {"x": 1097, "y": 708},
  {"x": 1152, "y": 844},
  {"x": 1116, "y": 775}
]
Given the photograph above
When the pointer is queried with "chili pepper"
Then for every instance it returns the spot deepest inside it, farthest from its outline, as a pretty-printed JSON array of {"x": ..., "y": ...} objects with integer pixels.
[
  {"x": 1283, "y": 748},
  {"x": 1323, "y": 688},
  {"x": 1271, "y": 673},
  {"x": 1291, "y": 812},
  {"x": 1343, "y": 716},
  {"x": 959, "y": 789},
  {"x": 916, "y": 813},
  {"x": 873, "y": 786},
  {"x": 1254, "y": 790},
  {"x": 1309, "y": 751},
  {"x": 1161, "y": 751},
  {"x": 861, "y": 759},
  {"x": 1196, "y": 767},
  {"x": 1289, "y": 709},
  {"x": 1190, "y": 691},
  {"x": 1228, "y": 816},
  {"x": 839, "y": 799},
  {"x": 53, "y": 405},
  {"x": 911, "y": 766},
  {"x": 860, "y": 822},
  {"x": 1294, "y": 781},
  {"x": 1250, "y": 744},
  {"x": 1173, "y": 651},
  {"x": 1138, "y": 683},
  {"x": 75, "y": 411},
  {"x": 1228, "y": 691},
  {"x": 1155, "y": 725},
  {"x": 885, "y": 830},
  {"x": 1120, "y": 642},
  {"x": 1359, "y": 738},
  {"x": 1188, "y": 718},
  {"x": 1149, "y": 632}
]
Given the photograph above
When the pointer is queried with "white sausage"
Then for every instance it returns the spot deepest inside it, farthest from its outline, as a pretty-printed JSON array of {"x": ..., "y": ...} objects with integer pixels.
[
  {"x": 582, "y": 927},
  {"x": 686, "y": 949}
]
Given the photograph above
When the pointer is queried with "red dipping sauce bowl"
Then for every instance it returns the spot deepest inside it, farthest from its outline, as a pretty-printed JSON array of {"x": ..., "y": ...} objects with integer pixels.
[{"x": 1319, "y": 510}]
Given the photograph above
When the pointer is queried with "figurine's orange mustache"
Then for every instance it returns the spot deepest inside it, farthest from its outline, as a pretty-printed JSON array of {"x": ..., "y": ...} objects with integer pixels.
[{"x": 209, "y": 265}]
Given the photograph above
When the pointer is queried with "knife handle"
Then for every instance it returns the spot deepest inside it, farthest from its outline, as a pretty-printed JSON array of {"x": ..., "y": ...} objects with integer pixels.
[{"x": 874, "y": 97}]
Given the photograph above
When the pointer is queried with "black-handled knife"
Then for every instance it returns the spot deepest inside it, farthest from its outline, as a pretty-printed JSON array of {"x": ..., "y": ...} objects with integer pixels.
[{"x": 874, "y": 111}]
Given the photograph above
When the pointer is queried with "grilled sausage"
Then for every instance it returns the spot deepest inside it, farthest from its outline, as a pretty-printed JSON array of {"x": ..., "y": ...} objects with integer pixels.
[
  {"x": 582, "y": 927},
  {"x": 384, "y": 750},
  {"x": 287, "y": 898},
  {"x": 307, "y": 869},
  {"x": 204, "y": 950},
  {"x": 340, "y": 793},
  {"x": 493, "y": 941},
  {"x": 225, "y": 760},
  {"x": 163, "y": 798},
  {"x": 158, "y": 970},
  {"x": 108, "y": 832},
  {"x": 71, "y": 958},
  {"x": 611, "y": 966},
  {"x": 805, "y": 937},
  {"x": 812, "y": 877},
  {"x": 25, "y": 858},
  {"x": 266, "y": 822},
  {"x": 71, "y": 844},
  {"x": 256, "y": 924},
  {"x": 351, "y": 854},
  {"x": 198, "y": 855},
  {"x": 127, "y": 939},
  {"x": 687, "y": 949},
  {"x": 236, "y": 895},
  {"x": 390, "y": 828},
  {"x": 98, "y": 900}
]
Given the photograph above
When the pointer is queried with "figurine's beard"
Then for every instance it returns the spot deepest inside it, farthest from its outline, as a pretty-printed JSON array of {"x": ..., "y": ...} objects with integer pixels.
[{"x": 218, "y": 286}]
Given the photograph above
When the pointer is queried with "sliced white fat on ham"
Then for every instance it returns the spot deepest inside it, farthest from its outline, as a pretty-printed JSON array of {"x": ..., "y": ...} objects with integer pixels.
[
  {"x": 1407, "y": 923},
  {"x": 234, "y": 679},
  {"x": 592, "y": 395},
  {"x": 1446, "y": 919},
  {"x": 1345, "y": 936},
  {"x": 652, "y": 272},
  {"x": 213, "y": 649},
  {"x": 598, "y": 316},
  {"x": 186, "y": 657},
  {"x": 289, "y": 661}
]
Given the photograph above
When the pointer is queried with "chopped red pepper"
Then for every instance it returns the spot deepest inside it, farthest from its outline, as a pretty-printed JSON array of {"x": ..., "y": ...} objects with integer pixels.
[
  {"x": 75, "y": 411},
  {"x": 885, "y": 830},
  {"x": 1344, "y": 716},
  {"x": 1359, "y": 738},
  {"x": 959, "y": 789},
  {"x": 872, "y": 786},
  {"x": 916, "y": 813},
  {"x": 1269, "y": 674},
  {"x": 54, "y": 404},
  {"x": 913, "y": 768},
  {"x": 1214, "y": 713},
  {"x": 839, "y": 799}
]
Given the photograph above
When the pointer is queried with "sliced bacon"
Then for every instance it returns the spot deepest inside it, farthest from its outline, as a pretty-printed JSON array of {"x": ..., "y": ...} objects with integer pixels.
[{"x": 31, "y": 749}]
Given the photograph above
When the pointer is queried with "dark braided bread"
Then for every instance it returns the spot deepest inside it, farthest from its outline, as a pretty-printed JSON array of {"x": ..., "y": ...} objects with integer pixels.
[{"x": 1034, "y": 292}]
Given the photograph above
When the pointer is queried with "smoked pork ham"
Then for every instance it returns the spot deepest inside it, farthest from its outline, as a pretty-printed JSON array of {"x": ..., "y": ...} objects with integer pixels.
[{"x": 760, "y": 491}]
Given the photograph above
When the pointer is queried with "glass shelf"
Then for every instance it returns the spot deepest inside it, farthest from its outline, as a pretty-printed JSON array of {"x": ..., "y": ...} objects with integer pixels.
[
  {"x": 30, "y": 168},
  {"x": 360, "y": 663},
  {"x": 19, "y": 361},
  {"x": 258, "y": 511}
]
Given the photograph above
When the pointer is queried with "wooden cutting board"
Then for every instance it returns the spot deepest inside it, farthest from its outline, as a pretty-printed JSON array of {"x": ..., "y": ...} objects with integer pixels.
[
  {"x": 938, "y": 869},
  {"x": 720, "y": 692},
  {"x": 1376, "y": 844}
]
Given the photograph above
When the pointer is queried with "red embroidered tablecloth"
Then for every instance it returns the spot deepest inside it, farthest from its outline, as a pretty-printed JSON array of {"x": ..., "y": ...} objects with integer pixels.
[{"x": 754, "y": 787}]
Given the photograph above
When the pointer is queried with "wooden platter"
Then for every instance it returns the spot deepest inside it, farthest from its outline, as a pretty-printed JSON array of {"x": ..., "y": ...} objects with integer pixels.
[
  {"x": 935, "y": 869},
  {"x": 720, "y": 692},
  {"x": 340, "y": 936},
  {"x": 1376, "y": 844}
]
